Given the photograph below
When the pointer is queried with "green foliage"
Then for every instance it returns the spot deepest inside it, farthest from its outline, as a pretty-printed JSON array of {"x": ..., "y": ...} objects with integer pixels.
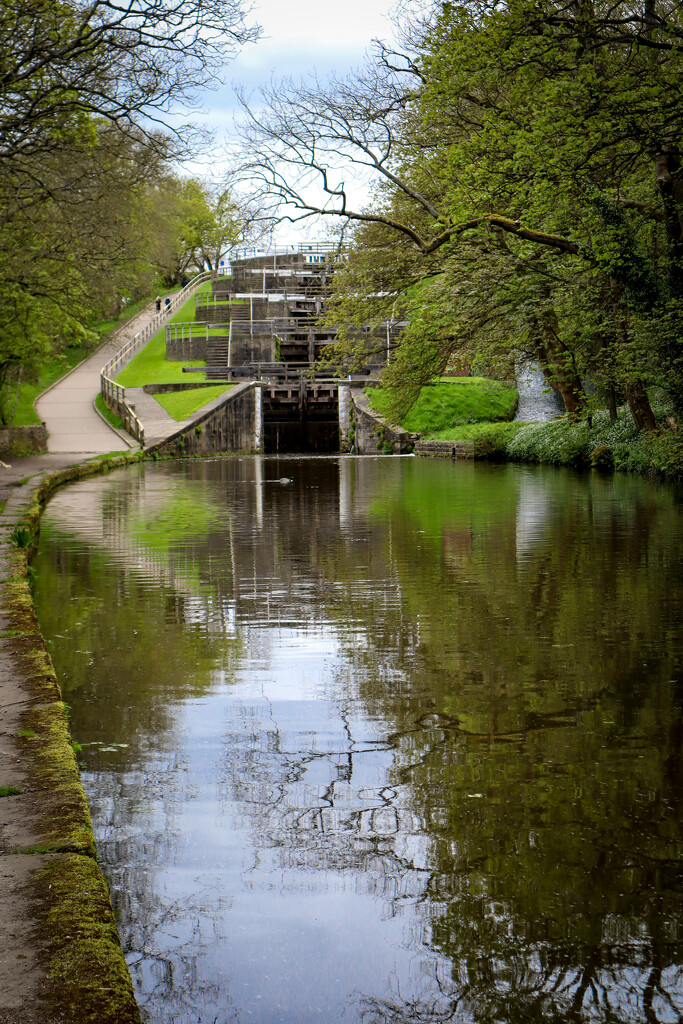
[
  {"x": 9, "y": 791},
  {"x": 604, "y": 445},
  {"x": 21, "y": 536},
  {"x": 490, "y": 439},
  {"x": 181, "y": 404},
  {"x": 665, "y": 452},
  {"x": 530, "y": 204}
]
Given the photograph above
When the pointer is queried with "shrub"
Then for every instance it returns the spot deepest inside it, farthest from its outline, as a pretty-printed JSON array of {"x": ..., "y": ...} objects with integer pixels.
[{"x": 665, "y": 451}]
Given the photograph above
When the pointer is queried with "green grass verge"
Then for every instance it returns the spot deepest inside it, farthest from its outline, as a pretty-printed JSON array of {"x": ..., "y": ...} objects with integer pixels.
[
  {"x": 181, "y": 404},
  {"x": 150, "y": 365},
  {"x": 603, "y": 445},
  {"x": 452, "y": 401},
  {"x": 111, "y": 417}
]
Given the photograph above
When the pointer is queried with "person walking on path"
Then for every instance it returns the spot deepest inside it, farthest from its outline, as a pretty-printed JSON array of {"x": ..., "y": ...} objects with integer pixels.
[{"x": 157, "y": 303}]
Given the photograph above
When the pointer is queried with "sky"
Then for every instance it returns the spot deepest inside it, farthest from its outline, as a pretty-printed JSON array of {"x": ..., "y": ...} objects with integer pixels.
[{"x": 299, "y": 37}]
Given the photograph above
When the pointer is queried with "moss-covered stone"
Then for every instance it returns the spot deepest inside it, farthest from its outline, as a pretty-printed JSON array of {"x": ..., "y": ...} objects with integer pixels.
[
  {"x": 86, "y": 978},
  {"x": 52, "y": 769},
  {"x": 16, "y": 600},
  {"x": 89, "y": 979}
]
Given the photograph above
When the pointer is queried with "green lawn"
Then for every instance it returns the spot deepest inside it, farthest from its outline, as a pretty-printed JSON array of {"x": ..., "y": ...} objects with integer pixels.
[
  {"x": 150, "y": 365},
  {"x": 181, "y": 404},
  {"x": 451, "y": 402}
]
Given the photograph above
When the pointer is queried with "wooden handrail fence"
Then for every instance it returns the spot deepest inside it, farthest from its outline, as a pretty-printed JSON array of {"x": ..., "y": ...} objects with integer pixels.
[{"x": 114, "y": 394}]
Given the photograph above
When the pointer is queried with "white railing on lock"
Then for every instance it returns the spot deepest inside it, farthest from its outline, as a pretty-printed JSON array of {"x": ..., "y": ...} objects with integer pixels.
[{"x": 114, "y": 394}]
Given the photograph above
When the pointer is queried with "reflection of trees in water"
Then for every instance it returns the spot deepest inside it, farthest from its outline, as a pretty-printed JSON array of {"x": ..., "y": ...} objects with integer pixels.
[
  {"x": 165, "y": 934},
  {"x": 317, "y": 811},
  {"x": 550, "y": 784},
  {"x": 439, "y": 1003},
  {"x": 528, "y": 993}
]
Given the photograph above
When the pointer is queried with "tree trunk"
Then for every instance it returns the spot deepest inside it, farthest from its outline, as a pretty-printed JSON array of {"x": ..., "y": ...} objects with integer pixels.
[
  {"x": 640, "y": 407},
  {"x": 557, "y": 364},
  {"x": 670, "y": 184},
  {"x": 611, "y": 401}
]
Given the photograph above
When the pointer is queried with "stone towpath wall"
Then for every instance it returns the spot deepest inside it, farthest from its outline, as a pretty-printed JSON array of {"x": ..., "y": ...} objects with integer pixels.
[{"x": 60, "y": 957}]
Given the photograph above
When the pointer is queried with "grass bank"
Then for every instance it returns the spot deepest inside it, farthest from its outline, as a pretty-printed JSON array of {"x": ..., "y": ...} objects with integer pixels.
[
  {"x": 150, "y": 365},
  {"x": 110, "y": 416},
  {"x": 181, "y": 404},
  {"x": 451, "y": 402},
  {"x": 604, "y": 445}
]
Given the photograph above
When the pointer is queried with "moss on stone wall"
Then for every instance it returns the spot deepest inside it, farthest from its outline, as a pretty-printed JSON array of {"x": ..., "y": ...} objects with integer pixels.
[{"x": 90, "y": 983}]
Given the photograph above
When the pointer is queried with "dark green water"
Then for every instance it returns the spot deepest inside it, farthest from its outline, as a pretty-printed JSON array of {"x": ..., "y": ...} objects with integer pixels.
[{"x": 396, "y": 741}]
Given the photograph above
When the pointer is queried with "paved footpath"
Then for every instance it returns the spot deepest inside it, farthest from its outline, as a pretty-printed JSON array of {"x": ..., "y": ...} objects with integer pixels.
[
  {"x": 67, "y": 407},
  {"x": 60, "y": 960}
]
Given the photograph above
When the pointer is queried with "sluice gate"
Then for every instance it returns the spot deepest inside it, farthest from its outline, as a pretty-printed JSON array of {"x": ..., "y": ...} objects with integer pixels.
[{"x": 300, "y": 416}]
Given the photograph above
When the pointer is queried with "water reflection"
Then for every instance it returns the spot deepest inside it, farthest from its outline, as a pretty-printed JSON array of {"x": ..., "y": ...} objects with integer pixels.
[{"x": 396, "y": 741}]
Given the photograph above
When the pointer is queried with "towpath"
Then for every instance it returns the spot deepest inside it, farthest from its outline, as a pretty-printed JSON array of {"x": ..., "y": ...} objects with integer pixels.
[
  {"x": 74, "y": 426},
  {"x": 60, "y": 960}
]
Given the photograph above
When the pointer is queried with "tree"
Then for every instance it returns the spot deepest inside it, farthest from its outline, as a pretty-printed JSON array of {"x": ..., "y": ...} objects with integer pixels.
[
  {"x": 549, "y": 133},
  {"x": 86, "y": 94},
  {"x": 195, "y": 226},
  {"x": 74, "y": 256},
  {"x": 61, "y": 63}
]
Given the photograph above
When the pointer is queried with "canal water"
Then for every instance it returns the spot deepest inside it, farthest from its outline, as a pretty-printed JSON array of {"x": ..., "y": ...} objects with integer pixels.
[{"x": 379, "y": 740}]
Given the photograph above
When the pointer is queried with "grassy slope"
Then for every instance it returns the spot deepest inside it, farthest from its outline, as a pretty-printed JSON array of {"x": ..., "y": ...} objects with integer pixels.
[
  {"x": 108, "y": 414},
  {"x": 181, "y": 404},
  {"x": 453, "y": 401},
  {"x": 603, "y": 445},
  {"x": 150, "y": 365}
]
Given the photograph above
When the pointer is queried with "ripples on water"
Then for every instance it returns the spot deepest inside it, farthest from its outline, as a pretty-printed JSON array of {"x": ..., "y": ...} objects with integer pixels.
[{"x": 398, "y": 741}]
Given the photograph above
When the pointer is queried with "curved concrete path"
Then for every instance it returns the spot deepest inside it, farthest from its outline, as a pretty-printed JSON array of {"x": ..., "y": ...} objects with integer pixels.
[
  {"x": 67, "y": 407},
  {"x": 28, "y": 994}
]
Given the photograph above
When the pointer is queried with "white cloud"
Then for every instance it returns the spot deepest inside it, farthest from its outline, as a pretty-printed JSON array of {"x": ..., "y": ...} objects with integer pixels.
[{"x": 322, "y": 27}]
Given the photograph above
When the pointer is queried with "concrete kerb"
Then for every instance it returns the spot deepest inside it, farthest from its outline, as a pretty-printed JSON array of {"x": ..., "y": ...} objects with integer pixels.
[
  {"x": 61, "y": 958},
  {"x": 126, "y": 438}
]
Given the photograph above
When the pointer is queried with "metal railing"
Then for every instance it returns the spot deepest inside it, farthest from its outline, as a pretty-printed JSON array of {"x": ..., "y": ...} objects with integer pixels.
[
  {"x": 114, "y": 394},
  {"x": 308, "y": 249},
  {"x": 196, "y": 329},
  {"x": 280, "y": 327},
  {"x": 287, "y": 372}
]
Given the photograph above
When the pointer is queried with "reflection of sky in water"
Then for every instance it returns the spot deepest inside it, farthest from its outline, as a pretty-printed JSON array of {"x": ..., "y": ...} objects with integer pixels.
[
  {"x": 283, "y": 864},
  {"x": 366, "y": 773}
]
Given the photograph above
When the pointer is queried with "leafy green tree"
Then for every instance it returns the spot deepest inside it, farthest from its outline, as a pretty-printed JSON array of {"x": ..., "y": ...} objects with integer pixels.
[
  {"x": 194, "y": 226},
  {"x": 85, "y": 96},
  {"x": 543, "y": 142}
]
